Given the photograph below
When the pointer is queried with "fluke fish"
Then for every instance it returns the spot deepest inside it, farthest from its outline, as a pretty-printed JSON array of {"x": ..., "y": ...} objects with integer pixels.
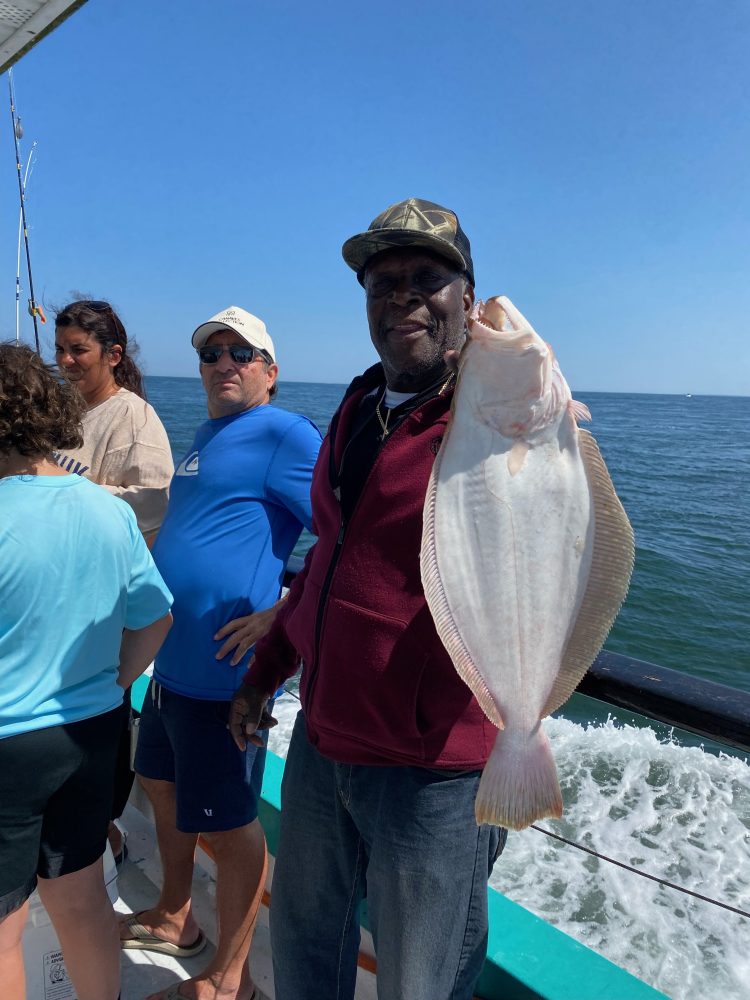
[{"x": 526, "y": 552}]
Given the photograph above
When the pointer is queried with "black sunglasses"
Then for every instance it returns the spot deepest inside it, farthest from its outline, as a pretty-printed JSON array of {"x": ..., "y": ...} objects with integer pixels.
[
  {"x": 240, "y": 355},
  {"x": 96, "y": 305}
]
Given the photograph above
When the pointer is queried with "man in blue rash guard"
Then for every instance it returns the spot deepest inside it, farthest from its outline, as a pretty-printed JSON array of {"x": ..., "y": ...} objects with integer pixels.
[{"x": 238, "y": 502}]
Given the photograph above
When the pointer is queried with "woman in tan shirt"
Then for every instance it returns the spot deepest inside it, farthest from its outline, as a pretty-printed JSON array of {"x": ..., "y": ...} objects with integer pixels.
[{"x": 125, "y": 447}]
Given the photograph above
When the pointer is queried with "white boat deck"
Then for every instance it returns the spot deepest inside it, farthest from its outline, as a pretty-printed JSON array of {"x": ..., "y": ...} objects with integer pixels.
[{"x": 145, "y": 972}]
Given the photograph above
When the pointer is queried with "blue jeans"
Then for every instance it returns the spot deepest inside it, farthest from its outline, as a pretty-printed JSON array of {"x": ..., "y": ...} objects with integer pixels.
[{"x": 404, "y": 837}]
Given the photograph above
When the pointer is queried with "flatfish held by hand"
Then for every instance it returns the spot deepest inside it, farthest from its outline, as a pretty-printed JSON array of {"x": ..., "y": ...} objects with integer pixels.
[{"x": 526, "y": 552}]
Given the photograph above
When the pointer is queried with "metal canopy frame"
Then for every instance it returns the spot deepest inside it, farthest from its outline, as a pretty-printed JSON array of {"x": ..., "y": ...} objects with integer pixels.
[{"x": 24, "y": 22}]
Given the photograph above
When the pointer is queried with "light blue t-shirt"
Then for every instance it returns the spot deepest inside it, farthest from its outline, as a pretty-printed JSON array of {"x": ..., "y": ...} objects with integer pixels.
[
  {"x": 237, "y": 504},
  {"x": 74, "y": 571}
]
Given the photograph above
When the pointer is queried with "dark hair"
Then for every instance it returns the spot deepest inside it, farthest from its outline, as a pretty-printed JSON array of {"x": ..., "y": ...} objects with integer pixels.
[
  {"x": 40, "y": 411},
  {"x": 98, "y": 318}
]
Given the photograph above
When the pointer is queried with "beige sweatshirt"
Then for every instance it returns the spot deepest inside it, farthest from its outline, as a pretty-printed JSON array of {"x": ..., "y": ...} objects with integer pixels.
[{"x": 126, "y": 450}]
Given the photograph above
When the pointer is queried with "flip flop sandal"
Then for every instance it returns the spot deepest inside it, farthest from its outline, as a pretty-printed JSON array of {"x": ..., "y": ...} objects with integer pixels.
[{"x": 144, "y": 940}]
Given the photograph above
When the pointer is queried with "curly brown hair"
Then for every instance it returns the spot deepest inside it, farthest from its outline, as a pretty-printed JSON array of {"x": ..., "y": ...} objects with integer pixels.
[{"x": 40, "y": 411}]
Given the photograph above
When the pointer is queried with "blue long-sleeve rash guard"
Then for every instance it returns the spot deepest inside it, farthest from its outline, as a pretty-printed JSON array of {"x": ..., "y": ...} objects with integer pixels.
[{"x": 238, "y": 502}]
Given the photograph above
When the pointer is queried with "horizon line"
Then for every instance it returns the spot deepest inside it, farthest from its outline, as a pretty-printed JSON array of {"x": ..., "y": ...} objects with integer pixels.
[{"x": 585, "y": 392}]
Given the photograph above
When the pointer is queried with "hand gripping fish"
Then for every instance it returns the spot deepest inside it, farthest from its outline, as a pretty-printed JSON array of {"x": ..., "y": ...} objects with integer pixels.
[{"x": 526, "y": 552}]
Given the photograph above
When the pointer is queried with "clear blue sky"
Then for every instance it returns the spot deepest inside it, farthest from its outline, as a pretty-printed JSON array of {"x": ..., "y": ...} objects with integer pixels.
[{"x": 196, "y": 154}]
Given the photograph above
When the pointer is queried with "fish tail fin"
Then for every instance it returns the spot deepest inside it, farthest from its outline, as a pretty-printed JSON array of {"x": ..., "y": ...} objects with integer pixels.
[{"x": 519, "y": 783}]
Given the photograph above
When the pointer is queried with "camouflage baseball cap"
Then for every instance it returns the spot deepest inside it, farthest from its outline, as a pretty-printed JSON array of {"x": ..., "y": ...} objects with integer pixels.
[{"x": 415, "y": 223}]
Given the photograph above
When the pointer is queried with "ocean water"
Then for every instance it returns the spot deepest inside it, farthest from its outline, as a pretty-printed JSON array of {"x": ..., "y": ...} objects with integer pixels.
[{"x": 681, "y": 466}]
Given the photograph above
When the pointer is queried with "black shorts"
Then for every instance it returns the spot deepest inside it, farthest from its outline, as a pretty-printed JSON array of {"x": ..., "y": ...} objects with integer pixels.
[
  {"x": 55, "y": 800},
  {"x": 187, "y": 741}
]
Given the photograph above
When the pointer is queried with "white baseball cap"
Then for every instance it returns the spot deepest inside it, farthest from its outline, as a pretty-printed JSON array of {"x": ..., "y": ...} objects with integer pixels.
[{"x": 244, "y": 324}]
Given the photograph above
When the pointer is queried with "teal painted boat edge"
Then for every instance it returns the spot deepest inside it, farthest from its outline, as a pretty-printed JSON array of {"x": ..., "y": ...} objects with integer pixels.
[
  {"x": 138, "y": 691},
  {"x": 269, "y": 807},
  {"x": 527, "y": 958}
]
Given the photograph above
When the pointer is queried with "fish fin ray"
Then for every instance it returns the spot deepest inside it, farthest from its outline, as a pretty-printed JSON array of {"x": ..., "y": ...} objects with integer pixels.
[
  {"x": 609, "y": 577},
  {"x": 441, "y": 612},
  {"x": 579, "y": 411},
  {"x": 519, "y": 783}
]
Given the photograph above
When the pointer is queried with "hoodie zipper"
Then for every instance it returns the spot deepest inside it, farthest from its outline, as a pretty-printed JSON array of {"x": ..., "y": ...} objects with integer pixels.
[{"x": 336, "y": 551}]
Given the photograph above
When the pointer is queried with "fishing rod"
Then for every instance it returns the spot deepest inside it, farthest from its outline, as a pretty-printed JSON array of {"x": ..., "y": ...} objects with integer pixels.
[
  {"x": 34, "y": 309},
  {"x": 26, "y": 175}
]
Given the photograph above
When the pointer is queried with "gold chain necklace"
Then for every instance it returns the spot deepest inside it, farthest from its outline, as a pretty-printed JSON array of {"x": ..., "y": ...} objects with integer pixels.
[
  {"x": 445, "y": 384},
  {"x": 384, "y": 422}
]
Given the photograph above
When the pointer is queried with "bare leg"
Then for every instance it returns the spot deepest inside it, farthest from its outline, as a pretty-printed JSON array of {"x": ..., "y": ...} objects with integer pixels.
[
  {"x": 241, "y": 863},
  {"x": 12, "y": 974},
  {"x": 115, "y": 838},
  {"x": 86, "y": 925},
  {"x": 172, "y": 916}
]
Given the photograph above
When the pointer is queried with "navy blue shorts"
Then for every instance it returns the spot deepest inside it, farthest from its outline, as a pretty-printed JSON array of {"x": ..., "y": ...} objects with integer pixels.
[
  {"x": 186, "y": 741},
  {"x": 55, "y": 802}
]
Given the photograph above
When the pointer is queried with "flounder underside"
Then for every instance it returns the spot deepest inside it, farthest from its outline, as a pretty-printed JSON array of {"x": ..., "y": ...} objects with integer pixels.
[{"x": 525, "y": 564}]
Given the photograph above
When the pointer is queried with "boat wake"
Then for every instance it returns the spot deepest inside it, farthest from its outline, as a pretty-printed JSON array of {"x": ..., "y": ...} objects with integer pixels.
[{"x": 678, "y": 813}]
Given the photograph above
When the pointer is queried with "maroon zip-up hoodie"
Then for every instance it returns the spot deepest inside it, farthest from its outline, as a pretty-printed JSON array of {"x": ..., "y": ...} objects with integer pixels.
[{"x": 377, "y": 685}]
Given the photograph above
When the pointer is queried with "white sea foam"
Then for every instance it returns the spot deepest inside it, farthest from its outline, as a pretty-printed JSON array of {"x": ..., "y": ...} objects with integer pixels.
[
  {"x": 285, "y": 711},
  {"x": 679, "y": 813}
]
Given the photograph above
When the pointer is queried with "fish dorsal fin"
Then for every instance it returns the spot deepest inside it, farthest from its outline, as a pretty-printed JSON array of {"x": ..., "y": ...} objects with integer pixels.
[
  {"x": 440, "y": 609},
  {"x": 611, "y": 567}
]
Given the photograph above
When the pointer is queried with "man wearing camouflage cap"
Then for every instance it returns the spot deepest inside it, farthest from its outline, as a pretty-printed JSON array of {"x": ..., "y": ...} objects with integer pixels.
[{"x": 386, "y": 755}]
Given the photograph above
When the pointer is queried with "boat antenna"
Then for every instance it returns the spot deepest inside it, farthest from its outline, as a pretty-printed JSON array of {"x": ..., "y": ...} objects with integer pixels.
[{"x": 34, "y": 309}]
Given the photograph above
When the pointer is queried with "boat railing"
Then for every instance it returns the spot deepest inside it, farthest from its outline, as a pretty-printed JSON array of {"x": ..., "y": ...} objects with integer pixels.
[{"x": 711, "y": 710}]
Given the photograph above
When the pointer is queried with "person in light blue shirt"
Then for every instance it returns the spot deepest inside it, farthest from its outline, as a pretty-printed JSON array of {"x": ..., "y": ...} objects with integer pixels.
[
  {"x": 75, "y": 611},
  {"x": 238, "y": 502},
  {"x": 83, "y": 610}
]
